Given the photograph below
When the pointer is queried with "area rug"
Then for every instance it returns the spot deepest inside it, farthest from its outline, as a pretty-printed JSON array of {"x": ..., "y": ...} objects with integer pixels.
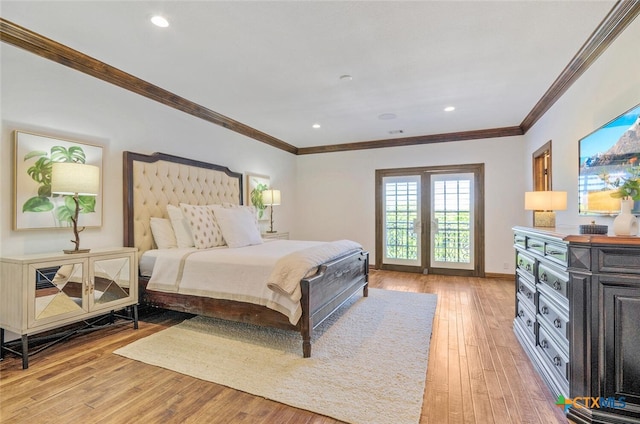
[{"x": 368, "y": 363}]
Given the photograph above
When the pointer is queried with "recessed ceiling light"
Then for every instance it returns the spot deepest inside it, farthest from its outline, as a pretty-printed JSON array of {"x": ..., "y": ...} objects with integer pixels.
[
  {"x": 316, "y": 126},
  {"x": 385, "y": 116},
  {"x": 160, "y": 21},
  {"x": 346, "y": 77},
  {"x": 449, "y": 109}
]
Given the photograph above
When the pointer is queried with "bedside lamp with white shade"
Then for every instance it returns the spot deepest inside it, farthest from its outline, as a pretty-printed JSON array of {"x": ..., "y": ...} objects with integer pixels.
[
  {"x": 75, "y": 179},
  {"x": 271, "y": 198}
]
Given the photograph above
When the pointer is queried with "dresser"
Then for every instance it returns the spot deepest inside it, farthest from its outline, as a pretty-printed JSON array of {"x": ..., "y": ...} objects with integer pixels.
[
  {"x": 542, "y": 304},
  {"x": 578, "y": 319},
  {"x": 44, "y": 292}
]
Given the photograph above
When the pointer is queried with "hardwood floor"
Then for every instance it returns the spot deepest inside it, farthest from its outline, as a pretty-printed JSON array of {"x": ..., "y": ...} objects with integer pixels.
[{"x": 477, "y": 371}]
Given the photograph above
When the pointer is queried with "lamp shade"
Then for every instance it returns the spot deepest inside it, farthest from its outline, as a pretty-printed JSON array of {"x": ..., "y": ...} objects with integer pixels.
[
  {"x": 75, "y": 178},
  {"x": 271, "y": 197},
  {"x": 545, "y": 200}
]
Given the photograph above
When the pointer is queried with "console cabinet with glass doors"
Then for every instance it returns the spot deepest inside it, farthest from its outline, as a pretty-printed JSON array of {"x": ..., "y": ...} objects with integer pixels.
[{"x": 44, "y": 292}]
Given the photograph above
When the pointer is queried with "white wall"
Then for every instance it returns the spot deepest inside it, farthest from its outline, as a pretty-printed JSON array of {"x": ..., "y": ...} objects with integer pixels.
[
  {"x": 608, "y": 88},
  {"x": 44, "y": 97},
  {"x": 336, "y": 191}
]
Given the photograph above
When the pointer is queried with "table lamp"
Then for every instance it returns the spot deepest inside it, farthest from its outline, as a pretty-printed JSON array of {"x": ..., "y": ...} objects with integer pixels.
[
  {"x": 271, "y": 198},
  {"x": 75, "y": 179}
]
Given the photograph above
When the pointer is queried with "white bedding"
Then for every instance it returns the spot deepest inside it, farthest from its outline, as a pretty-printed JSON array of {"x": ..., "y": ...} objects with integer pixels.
[{"x": 237, "y": 274}]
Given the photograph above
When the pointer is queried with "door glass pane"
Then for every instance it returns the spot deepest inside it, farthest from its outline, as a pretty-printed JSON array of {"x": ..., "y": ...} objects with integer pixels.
[
  {"x": 402, "y": 220},
  {"x": 58, "y": 290},
  {"x": 452, "y": 221},
  {"x": 111, "y": 280}
]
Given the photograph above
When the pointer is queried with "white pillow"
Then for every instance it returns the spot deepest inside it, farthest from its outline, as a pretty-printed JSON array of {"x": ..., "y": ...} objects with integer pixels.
[
  {"x": 163, "y": 233},
  {"x": 204, "y": 228},
  {"x": 250, "y": 208},
  {"x": 237, "y": 226},
  {"x": 180, "y": 226}
]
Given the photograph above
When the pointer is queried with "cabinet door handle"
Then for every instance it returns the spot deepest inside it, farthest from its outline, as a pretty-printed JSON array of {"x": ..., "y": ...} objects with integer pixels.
[{"x": 557, "y": 323}]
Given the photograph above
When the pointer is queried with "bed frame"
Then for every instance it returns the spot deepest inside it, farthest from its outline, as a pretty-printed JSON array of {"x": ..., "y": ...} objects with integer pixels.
[{"x": 153, "y": 181}]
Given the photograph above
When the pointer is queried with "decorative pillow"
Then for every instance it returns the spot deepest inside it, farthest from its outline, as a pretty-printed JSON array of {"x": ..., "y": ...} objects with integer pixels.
[
  {"x": 180, "y": 226},
  {"x": 163, "y": 233},
  {"x": 250, "y": 208},
  {"x": 237, "y": 226},
  {"x": 204, "y": 228}
]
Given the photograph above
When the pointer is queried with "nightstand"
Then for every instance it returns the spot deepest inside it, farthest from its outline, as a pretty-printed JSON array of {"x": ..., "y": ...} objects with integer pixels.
[
  {"x": 47, "y": 291},
  {"x": 276, "y": 236}
]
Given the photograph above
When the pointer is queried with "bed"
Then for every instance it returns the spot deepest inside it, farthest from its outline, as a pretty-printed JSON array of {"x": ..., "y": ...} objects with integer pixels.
[{"x": 151, "y": 182}]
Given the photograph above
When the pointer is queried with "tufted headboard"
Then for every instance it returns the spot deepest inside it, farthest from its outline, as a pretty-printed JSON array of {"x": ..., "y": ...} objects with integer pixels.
[{"x": 151, "y": 182}]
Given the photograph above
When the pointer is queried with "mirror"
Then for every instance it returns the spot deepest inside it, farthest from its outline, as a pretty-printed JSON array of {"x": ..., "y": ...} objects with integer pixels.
[
  {"x": 58, "y": 290},
  {"x": 111, "y": 280}
]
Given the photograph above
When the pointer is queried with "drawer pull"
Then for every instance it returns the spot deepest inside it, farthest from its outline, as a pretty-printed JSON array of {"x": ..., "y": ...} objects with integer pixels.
[
  {"x": 543, "y": 277},
  {"x": 536, "y": 245},
  {"x": 520, "y": 313},
  {"x": 557, "y": 285},
  {"x": 528, "y": 267},
  {"x": 557, "y": 361},
  {"x": 544, "y": 310},
  {"x": 555, "y": 252},
  {"x": 557, "y": 323},
  {"x": 544, "y": 344},
  {"x": 529, "y": 295},
  {"x": 529, "y": 323}
]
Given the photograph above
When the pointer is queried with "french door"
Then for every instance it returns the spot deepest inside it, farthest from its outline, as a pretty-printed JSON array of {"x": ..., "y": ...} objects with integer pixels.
[{"x": 430, "y": 220}]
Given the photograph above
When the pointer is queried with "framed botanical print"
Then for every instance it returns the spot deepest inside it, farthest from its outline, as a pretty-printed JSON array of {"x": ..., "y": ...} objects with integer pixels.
[
  {"x": 35, "y": 207},
  {"x": 256, "y": 184}
]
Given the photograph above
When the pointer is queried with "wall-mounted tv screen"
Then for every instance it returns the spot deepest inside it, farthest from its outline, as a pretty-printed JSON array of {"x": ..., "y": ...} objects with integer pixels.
[{"x": 607, "y": 156}]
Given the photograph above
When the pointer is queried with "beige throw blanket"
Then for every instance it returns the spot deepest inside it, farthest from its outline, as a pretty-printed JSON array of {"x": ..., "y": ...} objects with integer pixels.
[{"x": 290, "y": 269}]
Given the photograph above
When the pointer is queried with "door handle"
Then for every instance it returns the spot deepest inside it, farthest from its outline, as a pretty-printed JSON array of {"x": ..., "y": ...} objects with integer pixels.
[{"x": 417, "y": 225}]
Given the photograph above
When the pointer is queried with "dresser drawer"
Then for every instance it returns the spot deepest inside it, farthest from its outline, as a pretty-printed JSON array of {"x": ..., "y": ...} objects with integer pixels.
[
  {"x": 555, "y": 282},
  {"x": 556, "y": 252},
  {"x": 554, "y": 321},
  {"x": 526, "y": 317},
  {"x": 520, "y": 240},
  {"x": 554, "y": 356},
  {"x": 525, "y": 263},
  {"x": 535, "y": 245},
  {"x": 526, "y": 289}
]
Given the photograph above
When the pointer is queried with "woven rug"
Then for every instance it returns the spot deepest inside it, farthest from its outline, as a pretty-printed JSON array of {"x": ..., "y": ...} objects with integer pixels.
[{"x": 368, "y": 363}]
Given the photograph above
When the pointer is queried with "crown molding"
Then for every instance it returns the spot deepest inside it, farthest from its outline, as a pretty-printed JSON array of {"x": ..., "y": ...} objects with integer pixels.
[
  {"x": 23, "y": 38},
  {"x": 412, "y": 141},
  {"x": 620, "y": 16}
]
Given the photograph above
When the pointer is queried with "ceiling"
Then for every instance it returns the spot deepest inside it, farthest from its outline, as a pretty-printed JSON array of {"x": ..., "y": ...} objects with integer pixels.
[{"x": 277, "y": 66}]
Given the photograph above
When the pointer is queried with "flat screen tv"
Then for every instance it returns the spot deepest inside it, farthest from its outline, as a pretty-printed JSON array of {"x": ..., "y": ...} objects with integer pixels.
[{"x": 608, "y": 156}]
